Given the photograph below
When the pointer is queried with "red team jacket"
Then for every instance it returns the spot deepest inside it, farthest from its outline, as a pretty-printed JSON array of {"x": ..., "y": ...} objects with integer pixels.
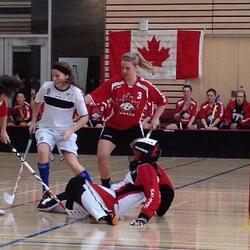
[
  {"x": 148, "y": 110},
  {"x": 187, "y": 115},
  {"x": 206, "y": 111},
  {"x": 23, "y": 114},
  {"x": 238, "y": 115},
  {"x": 100, "y": 111},
  {"x": 128, "y": 101}
]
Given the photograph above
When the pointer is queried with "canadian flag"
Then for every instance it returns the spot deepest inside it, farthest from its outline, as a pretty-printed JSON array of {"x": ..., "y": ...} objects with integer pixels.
[{"x": 175, "y": 54}]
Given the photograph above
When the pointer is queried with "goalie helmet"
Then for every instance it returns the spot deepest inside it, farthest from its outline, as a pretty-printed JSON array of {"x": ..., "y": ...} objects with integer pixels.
[{"x": 146, "y": 150}]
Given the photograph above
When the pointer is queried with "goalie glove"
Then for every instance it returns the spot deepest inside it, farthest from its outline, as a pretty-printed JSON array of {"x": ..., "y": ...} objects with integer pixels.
[{"x": 139, "y": 222}]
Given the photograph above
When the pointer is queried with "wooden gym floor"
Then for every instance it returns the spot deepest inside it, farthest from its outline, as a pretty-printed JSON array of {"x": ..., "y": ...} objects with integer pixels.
[{"x": 210, "y": 210}]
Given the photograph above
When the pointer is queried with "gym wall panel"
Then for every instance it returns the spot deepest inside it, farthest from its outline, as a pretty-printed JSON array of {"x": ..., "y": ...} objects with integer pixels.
[
  {"x": 220, "y": 66},
  {"x": 244, "y": 62},
  {"x": 227, "y": 35},
  {"x": 15, "y": 17}
]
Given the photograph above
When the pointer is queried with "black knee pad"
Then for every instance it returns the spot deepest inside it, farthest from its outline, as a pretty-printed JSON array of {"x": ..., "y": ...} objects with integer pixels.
[{"x": 167, "y": 196}]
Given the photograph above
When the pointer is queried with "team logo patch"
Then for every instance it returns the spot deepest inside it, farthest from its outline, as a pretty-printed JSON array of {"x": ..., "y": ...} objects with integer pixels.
[{"x": 127, "y": 104}]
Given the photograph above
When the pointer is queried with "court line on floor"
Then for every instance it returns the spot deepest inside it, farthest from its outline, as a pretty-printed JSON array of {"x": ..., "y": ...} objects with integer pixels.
[
  {"x": 65, "y": 224},
  {"x": 38, "y": 233},
  {"x": 212, "y": 176},
  {"x": 185, "y": 164}
]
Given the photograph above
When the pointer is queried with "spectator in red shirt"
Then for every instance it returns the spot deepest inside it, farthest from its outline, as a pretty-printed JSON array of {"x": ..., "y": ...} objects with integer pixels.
[
  {"x": 185, "y": 111},
  {"x": 8, "y": 86},
  {"x": 211, "y": 111},
  {"x": 147, "y": 115},
  {"x": 237, "y": 114},
  {"x": 129, "y": 93},
  {"x": 98, "y": 113},
  {"x": 21, "y": 113}
]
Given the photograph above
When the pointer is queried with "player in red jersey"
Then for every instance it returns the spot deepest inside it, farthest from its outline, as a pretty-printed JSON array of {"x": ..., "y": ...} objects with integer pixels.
[
  {"x": 129, "y": 93},
  {"x": 146, "y": 185},
  {"x": 21, "y": 113},
  {"x": 211, "y": 111},
  {"x": 8, "y": 86},
  {"x": 237, "y": 114},
  {"x": 185, "y": 111}
]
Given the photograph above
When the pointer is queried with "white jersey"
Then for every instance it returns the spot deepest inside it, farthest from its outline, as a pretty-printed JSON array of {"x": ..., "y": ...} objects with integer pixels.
[{"x": 59, "y": 105}]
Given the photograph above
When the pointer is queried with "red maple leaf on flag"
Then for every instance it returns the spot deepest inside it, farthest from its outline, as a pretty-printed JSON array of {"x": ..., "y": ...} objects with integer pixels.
[{"x": 153, "y": 54}]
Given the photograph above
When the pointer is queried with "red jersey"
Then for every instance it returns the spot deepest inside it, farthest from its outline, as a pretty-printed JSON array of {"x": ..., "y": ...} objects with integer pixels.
[
  {"x": 235, "y": 113},
  {"x": 3, "y": 109},
  {"x": 128, "y": 101},
  {"x": 188, "y": 113},
  {"x": 151, "y": 179},
  {"x": 206, "y": 111}
]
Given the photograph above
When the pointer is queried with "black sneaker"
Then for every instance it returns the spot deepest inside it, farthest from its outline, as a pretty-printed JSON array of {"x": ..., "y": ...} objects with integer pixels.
[
  {"x": 110, "y": 219},
  {"x": 46, "y": 203}
]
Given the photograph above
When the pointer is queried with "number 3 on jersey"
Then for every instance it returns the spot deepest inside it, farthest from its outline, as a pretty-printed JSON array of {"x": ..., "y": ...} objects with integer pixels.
[{"x": 139, "y": 95}]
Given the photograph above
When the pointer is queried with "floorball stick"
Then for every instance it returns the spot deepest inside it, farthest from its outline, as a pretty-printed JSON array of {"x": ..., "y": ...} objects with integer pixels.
[
  {"x": 9, "y": 199},
  {"x": 71, "y": 213}
]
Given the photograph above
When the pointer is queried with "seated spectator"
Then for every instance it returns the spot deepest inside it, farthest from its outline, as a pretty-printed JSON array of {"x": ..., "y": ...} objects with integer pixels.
[
  {"x": 147, "y": 115},
  {"x": 98, "y": 113},
  {"x": 33, "y": 95},
  {"x": 237, "y": 114},
  {"x": 185, "y": 111},
  {"x": 211, "y": 111},
  {"x": 21, "y": 113}
]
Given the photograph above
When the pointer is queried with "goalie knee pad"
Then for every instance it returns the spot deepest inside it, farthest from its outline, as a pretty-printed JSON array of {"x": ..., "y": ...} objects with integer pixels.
[
  {"x": 74, "y": 188},
  {"x": 167, "y": 196}
]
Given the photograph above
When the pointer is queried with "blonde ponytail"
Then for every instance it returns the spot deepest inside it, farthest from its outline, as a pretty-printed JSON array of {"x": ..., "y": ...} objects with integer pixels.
[{"x": 138, "y": 59}]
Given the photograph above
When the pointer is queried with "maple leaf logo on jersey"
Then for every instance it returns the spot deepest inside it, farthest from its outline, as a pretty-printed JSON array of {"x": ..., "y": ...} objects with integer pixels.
[
  {"x": 127, "y": 104},
  {"x": 154, "y": 54}
]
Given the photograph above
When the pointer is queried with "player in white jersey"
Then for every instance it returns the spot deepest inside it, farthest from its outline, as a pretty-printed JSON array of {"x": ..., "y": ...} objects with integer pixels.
[{"x": 61, "y": 97}]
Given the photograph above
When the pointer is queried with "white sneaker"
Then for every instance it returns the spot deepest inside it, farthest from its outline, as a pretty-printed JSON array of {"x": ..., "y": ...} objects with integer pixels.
[{"x": 2, "y": 212}]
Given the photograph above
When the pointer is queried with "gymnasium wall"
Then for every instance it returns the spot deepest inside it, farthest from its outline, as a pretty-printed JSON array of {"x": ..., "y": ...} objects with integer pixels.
[
  {"x": 226, "y": 44},
  {"x": 15, "y": 17},
  {"x": 226, "y": 24}
]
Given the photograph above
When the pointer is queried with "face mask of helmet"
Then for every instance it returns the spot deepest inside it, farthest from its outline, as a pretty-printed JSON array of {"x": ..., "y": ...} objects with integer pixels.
[{"x": 146, "y": 150}]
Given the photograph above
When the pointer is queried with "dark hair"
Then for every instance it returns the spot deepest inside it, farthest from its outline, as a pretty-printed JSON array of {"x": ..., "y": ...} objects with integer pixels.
[
  {"x": 212, "y": 90},
  {"x": 187, "y": 86},
  {"x": 8, "y": 85},
  {"x": 65, "y": 69}
]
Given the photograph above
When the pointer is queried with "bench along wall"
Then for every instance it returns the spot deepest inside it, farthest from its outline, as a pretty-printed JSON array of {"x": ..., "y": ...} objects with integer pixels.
[{"x": 181, "y": 143}]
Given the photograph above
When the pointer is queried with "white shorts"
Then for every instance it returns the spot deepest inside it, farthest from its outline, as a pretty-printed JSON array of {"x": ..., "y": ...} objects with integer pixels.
[{"x": 54, "y": 137}]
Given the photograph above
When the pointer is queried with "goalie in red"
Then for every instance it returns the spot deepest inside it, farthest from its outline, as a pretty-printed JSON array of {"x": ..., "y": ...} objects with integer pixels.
[{"x": 146, "y": 185}]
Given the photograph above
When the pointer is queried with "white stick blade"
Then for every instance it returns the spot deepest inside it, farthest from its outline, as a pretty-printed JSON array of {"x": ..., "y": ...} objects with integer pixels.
[
  {"x": 8, "y": 198},
  {"x": 2, "y": 212}
]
